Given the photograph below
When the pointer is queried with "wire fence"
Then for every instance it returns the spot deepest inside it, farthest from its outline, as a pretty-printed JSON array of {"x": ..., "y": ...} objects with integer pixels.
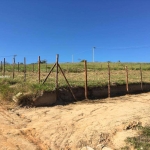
[{"x": 98, "y": 74}]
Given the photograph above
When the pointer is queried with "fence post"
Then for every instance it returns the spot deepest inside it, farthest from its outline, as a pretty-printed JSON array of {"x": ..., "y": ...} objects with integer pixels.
[
  {"x": 86, "y": 90},
  {"x": 56, "y": 82},
  {"x": 13, "y": 67},
  {"x": 49, "y": 73},
  {"x": 141, "y": 78},
  {"x": 108, "y": 80},
  {"x": 39, "y": 68},
  {"x": 24, "y": 69},
  {"x": 67, "y": 82},
  {"x": 127, "y": 79},
  {"x": 4, "y": 68},
  {"x": 56, "y": 85},
  {"x": 18, "y": 67},
  {"x": 1, "y": 66}
]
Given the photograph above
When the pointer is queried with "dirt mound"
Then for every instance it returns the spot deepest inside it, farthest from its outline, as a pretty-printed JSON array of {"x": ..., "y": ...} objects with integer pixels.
[{"x": 42, "y": 98}]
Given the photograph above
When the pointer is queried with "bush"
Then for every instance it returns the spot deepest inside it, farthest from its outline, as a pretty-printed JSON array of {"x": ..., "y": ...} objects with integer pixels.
[{"x": 6, "y": 92}]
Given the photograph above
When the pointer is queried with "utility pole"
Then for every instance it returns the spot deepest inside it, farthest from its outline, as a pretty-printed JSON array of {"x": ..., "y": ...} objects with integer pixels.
[
  {"x": 14, "y": 58},
  {"x": 93, "y": 53}
]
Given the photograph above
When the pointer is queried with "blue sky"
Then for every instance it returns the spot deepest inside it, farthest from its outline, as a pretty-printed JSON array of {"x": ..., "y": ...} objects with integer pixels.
[{"x": 119, "y": 29}]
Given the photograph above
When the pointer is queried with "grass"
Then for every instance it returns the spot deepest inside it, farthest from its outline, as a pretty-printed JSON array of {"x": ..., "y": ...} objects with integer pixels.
[
  {"x": 79, "y": 67},
  {"x": 75, "y": 74},
  {"x": 141, "y": 142},
  {"x": 97, "y": 73}
]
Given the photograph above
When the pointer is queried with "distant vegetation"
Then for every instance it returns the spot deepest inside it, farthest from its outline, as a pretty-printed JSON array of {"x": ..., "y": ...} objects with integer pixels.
[{"x": 79, "y": 67}]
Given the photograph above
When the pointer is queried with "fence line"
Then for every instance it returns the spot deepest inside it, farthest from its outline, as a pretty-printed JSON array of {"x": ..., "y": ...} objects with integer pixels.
[{"x": 84, "y": 69}]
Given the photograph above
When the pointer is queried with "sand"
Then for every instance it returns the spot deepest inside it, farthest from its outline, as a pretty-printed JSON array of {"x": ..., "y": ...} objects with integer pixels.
[{"x": 71, "y": 127}]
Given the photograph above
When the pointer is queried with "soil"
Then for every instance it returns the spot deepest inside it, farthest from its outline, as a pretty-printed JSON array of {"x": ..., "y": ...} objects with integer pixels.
[{"x": 73, "y": 126}]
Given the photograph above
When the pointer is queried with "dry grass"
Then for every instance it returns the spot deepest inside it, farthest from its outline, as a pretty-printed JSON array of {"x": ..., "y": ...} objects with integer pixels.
[{"x": 74, "y": 72}]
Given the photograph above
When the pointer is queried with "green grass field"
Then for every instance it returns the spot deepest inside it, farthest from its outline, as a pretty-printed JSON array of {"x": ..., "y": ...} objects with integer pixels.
[
  {"x": 97, "y": 75},
  {"x": 75, "y": 73},
  {"x": 79, "y": 67}
]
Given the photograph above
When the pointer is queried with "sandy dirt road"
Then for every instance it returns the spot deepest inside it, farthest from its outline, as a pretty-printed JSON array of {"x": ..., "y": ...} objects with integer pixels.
[{"x": 71, "y": 127}]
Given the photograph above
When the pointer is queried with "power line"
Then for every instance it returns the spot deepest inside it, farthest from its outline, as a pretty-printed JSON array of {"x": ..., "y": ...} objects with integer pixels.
[
  {"x": 124, "y": 48},
  {"x": 7, "y": 56}
]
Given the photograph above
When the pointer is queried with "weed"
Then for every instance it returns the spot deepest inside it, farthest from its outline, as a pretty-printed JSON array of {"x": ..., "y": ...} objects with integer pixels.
[
  {"x": 125, "y": 148},
  {"x": 6, "y": 92},
  {"x": 43, "y": 87},
  {"x": 142, "y": 141}
]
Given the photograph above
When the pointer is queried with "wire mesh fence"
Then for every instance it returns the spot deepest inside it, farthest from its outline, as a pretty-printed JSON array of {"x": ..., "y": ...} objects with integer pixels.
[{"x": 97, "y": 73}]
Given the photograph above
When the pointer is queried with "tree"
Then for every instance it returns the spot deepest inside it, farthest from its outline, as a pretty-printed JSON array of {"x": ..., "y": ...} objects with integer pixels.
[
  {"x": 82, "y": 60},
  {"x": 43, "y": 61}
]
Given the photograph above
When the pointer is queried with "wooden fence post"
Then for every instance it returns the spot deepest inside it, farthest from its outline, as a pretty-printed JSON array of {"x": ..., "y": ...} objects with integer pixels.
[
  {"x": 1, "y": 66},
  {"x": 18, "y": 67},
  {"x": 13, "y": 67},
  {"x": 86, "y": 90},
  {"x": 67, "y": 83},
  {"x": 56, "y": 82},
  {"x": 39, "y": 68},
  {"x": 108, "y": 80},
  {"x": 4, "y": 68},
  {"x": 127, "y": 79},
  {"x": 24, "y": 69},
  {"x": 49, "y": 73},
  {"x": 141, "y": 78}
]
